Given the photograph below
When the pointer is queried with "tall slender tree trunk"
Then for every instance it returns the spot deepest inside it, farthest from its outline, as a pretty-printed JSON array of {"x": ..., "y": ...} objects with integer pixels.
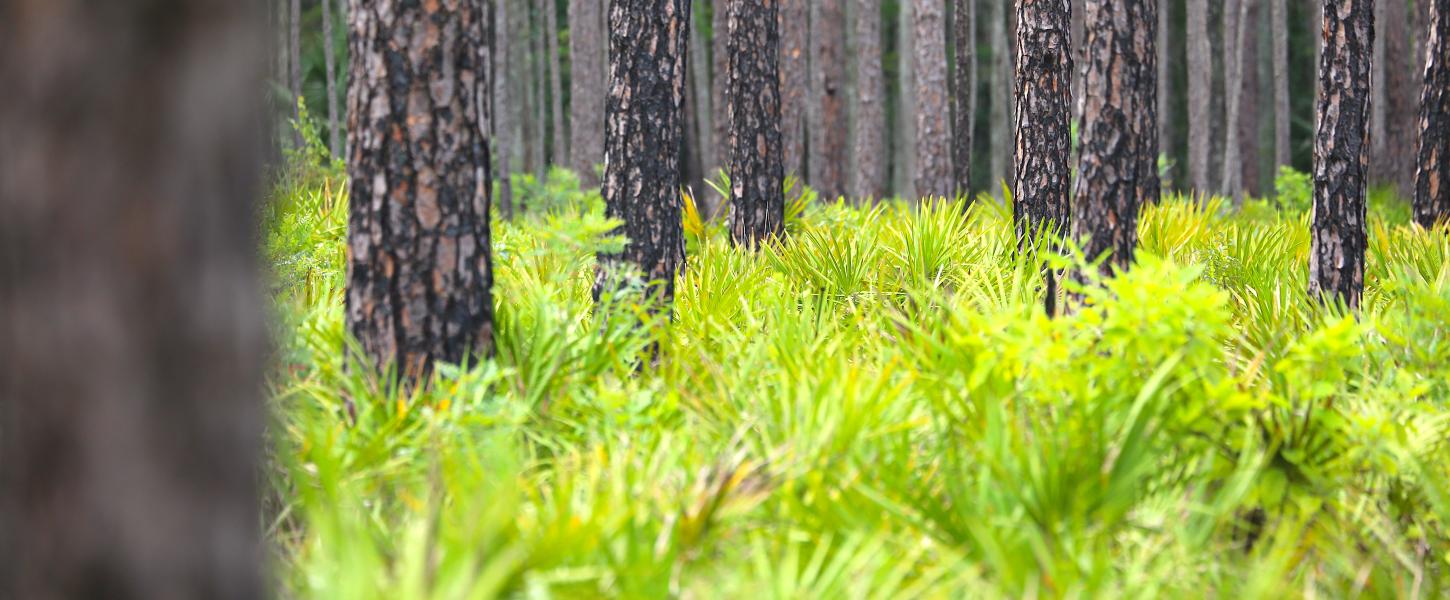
[
  {"x": 1200, "y": 96},
  {"x": 828, "y": 136},
  {"x": 539, "y": 77},
  {"x": 700, "y": 80},
  {"x": 1235, "y": 28},
  {"x": 503, "y": 110},
  {"x": 964, "y": 101},
  {"x": 1377, "y": 168},
  {"x": 329, "y": 53},
  {"x": 757, "y": 173},
  {"x": 933, "y": 172},
  {"x": 131, "y": 320},
  {"x": 556, "y": 85},
  {"x": 1119, "y": 128},
  {"x": 1279, "y": 29},
  {"x": 720, "y": 69},
  {"x": 1341, "y": 153},
  {"x": 294, "y": 63},
  {"x": 1400, "y": 96},
  {"x": 420, "y": 275},
  {"x": 1001, "y": 95},
  {"x": 1165, "y": 59},
  {"x": 1044, "y": 104},
  {"x": 870, "y": 149},
  {"x": 1432, "y": 176},
  {"x": 647, "y": 45},
  {"x": 1250, "y": 102},
  {"x": 530, "y": 139},
  {"x": 904, "y": 150},
  {"x": 587, "y": 51},
  {"x": 795, "y": 82}
]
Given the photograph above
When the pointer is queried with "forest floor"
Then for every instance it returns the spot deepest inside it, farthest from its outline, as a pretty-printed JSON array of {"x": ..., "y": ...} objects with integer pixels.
[{"x": 876, "y": 408}]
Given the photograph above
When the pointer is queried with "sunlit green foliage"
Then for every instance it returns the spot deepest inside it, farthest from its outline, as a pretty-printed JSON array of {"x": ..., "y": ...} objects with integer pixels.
[{"x": 876, "y": 407}]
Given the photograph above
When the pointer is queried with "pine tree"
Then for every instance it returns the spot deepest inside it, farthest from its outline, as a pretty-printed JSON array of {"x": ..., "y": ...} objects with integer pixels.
[
  {"x": 795, "y": 82},
  {"x": 1341, "y": 153},
  {"x": 1200, "y": 96},
  {"x": 1118, "y": 172},
  {"x": 1432, "y": 176},
  {"x": 587, "y": 54},
  {"x": 828, "y": 104},
  {"x": 1044, "y": 104},
  {"x": 933, "y": 164},
  {"x": 420, "y": 276},
  {"x": 869, "y": 148},
  {"x": 757, "y": 173},
  {"x": 133, "y": 327},
  {"x": 964, "y": 101},
  {"x": 643, "y": 128}
]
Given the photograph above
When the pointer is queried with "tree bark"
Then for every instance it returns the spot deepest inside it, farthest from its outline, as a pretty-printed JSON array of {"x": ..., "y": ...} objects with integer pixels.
[
  {"x": 556, "y": 86},
  {"x": 933, "y": 165},
  {"x": 503, "y": 124},
  {"x": 334, "y": 132},
  {"x": 964, "y": 102},
  {"x": 870, "y": 149},
  {"x": 1250, "y": 103},
  {"x": 1001, "y": 95},
  {"x": 1279, "y": 29},
  {"x": 1200, "y": 96},
  {"x": 586, "y": 103},
  {"x": 701, "y": 86},
  {"x": 757, "y": 173},
  {"x": 647, "y": 46},
  {"x": 1118, "y": 173},
  {"x": 1432, "y": 176},
  {"x": 132, "y": 324},
  {"x": 1044, "y": 103},
  {"x": 720, "y": 69},
  {"x": 1400, "y": 109},
  {"x": 539, "y": 78},
  {"x": 828, "y": 136},
  {"x": 420, "y": 275},
  {"x": 1235, "y": 28},
  {"x": 795, "y": 82},
  {"x": 1341, "y": 153},
  {"x": 1166, "y": 121}
]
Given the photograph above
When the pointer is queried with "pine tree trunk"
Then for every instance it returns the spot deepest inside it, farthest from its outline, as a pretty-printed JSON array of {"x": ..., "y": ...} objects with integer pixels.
[
  {"x": 1165, "y": 60},
  {"x": 904, "y": 150},
  {"x": 539, "y": 78},
  {"x": 334, "y": 131},
  {"x": 1250, "y": 102},
  {"x": 1118, "y": 173},
  {"x": 828, "y": 136},
  {"x": 720, "y": 69},
  {"x": 757, "y": 175},
  {"x": 1200, "y": 96},
  {"x": 933, "y": 166},
  {"x": 964, "y": 102},
  {"x": 647, "y": 45},
  {"x": 1432, "y": 177},
  {"x": 1001, "y": 96},
  {"x": 870, "y": 148},
  {"x": 1400, "y": 109},
  {"x": 503, "y": 108},
  {"x": 556, "y": 85},
  {"x": 1279, "y": 29},
  {"x": 795, "y": 83},
  {"x": 587, "y": 51},
  {"x": 294, "y": 59},
  {"x": 1341, "y": 153},
  {"x": 1042, "y": 176},
  {"x": 132, "y": 322},
  {"x": 704, "y": 115},
  {"x": 419, "y": 265},
  {"x": 1235, "y": 27}
]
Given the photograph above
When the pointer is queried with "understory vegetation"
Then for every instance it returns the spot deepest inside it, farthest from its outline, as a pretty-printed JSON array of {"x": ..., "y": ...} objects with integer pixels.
[{"x": 875, "y": 408}]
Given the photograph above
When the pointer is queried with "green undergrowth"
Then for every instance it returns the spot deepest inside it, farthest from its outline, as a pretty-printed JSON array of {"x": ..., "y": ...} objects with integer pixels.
[{"x": 876, "y": 408}]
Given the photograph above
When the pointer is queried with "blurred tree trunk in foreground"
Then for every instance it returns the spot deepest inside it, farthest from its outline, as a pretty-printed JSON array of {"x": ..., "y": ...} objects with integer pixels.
[{"x": 131, "y": 320}]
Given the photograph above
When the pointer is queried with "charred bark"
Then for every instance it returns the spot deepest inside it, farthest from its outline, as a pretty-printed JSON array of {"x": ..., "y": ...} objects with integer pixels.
[
  {"x": 1043, "y": 135},
  {"x": 132, "y": 325},
  {"x": 1118, "y": 172},
  {"x": 1341, "y": 153},
  {"x": 757, "y": 173},
  {"x": 1432, "y": 176},
  {"x": 933, "y": 164},
  {"x": 420, "y": 276},
  {"x": 643, "y": 126}
]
